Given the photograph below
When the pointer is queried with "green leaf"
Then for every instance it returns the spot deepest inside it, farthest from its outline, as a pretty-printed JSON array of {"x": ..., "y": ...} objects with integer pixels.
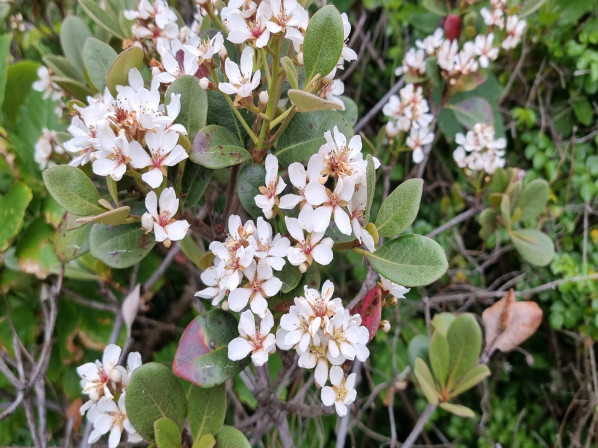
[
  {"x": 71, "y": 239},
  {"x": 205, "y": 441},
  {"x": 202, "y": 354},
  {"x": 229, "y": 437},
  {"x": 110, "y": 217},
  {"x": 291, "y": 71},
  {"x": 75, "y": 88},
  {"x": 351, "y": 111},
  {"x": 442, "y": 322},
  {"x": 470, "y": 379},
  {"x": 216, "y": 147},
  {"x": 399, "y": 210},
  {"x": 60, "y": 66},
  {"x": 529, "y": 7},
  {"x": 73, "y": 190},
  {"x": 104, "y": 18},
  {"x": 308, "y": 102},
  {"x": 191, "y": 250},
  {"x": 120, "y": 246},
  {"x": 465, "y": 344},
  {"x": 410, "y": 260},
  {"x": 437, "y": 7},
  {"x": 418, "y": 347},
  {"x": 207, "y": 409},
  {"x": 195, "y": 181},
  {"x": 439, "y": 357},
  {"x": 35, "y": 251},
  {"x": 73, "y": 34},
  {"x": 305, "y": 134},
  {"x": 12, "y": 211},
  {"x": 532, "y": 199},
  {"x": 4, "y": 58},
  {"x": 499, "y": 180},
  {"x": 194, "y": 103},
  {"x": 488, "y": 221},
  {"x": 290, "y": 276},
  {"x": 370, "y": 176},
  {"x": 426, "y": 381},
  {"x": 19, "y": 78},
  {"x": 471, "y": 111},
  {"x": 155, "y": 392},
  {"x": 98, "y": 57},
  {"x": 458, "y": 409},
  {"x": 167, "y": 434},
  {"x": 118, "y": 75},
  {"x": 323, "y": 43},
  {"x": 220, "y": 113},
  {"x": 250, "y": 178},
  {"x": 505, "y": 210},
  {"x": 533, "y": 246}
]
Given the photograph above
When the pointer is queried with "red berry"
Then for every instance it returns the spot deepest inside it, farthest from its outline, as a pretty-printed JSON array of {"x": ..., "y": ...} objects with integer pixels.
[{"x": 452, "y": 27}]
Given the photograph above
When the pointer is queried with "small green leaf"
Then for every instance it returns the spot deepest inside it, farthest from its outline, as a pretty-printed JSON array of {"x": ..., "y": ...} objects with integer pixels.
[
  {"x": 530, "y": 7},
  {"x": 426, "y": 381},
  {"x": 458, "y": 409},
  {"x": 410, "y": 260},
  {"x": 73, "y": 190},
  {"x": 419, "y": 347},
  {"x": 205, "y": 441},
  {"x": 72, "y": 239},
  {"x": 60, "y": 66},
  {"x": 154, "y": 392},
  {"x": 229, "y": 437},
  {"x": 74, "y": 87},
  {"x": 291, "y": 71},
  {"x": 290, "y": 276},
  {"x": 207, "y": 409},
  {"x": 465, "y": 344},
  {"x": 120, "y": 246},
  {"x": 437, "y": 7},
  {"x": 73, "y": 34},
  {"x": 195, "y": 181},
  {"x": 399, "y": 210},
  {"x": 194, "y": 103},
  {"x": 370, "y": 175},
  {"x": 532, "y": 199},
  {"x": 308, "y": 102},
  {"x": 439, "y": 357},
  {"x": 473, "y": 110},
  {"x": 533, "y": 246},
  {"x": 110, "y": 217},
  {"x": 191, "y": 250},
  {"x": 12, "y": 211},
  {"x": 499, "y": 180},
  {"x": 505, "y": 210},
  {"x": 167, "y": 434},
  {"x": 488, "y": 222},
  {"x": 323, "y": 43},
  {"x": 216, "y": 147},
  {"x": 118, "y": 75},
  {"x": 104, "y": 18},
  {"x": 98, "y": 57},
  {"x": 250, "y": 178},
  {"x": 442, "y": 322},
  {"x": 470, "y": 379}
]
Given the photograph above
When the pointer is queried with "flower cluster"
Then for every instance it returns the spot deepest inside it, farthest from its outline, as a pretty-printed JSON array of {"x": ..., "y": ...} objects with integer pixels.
[
  {"x": 106, "y": 384},
  {"x": 45, "y": 147},
  {"x": 479, "y": 149},
  {"x": 46, "y": 85}
]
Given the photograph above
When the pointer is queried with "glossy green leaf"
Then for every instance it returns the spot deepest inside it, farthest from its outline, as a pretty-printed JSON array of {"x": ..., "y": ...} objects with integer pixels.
[
  {"x": 458, "y": 409},
  {"x": 465, "y": 344},
  {"x": 202, "y": 353},
  {"x": 308, "y": 102},
  {"x": 98, "y": 57},
  {"x": 426, "y": 381},
  {"x": 410, "y": 260},
  {"x": 195, "y": 181},
  {"x": 216, "y": 147},
  {"x": 220, "y": 113},
  {"x": 533, "y": 199},
  {"x": 291, "y": 71},
  {"x": 439, "y": 357},
  {"x": 323, "y": 43},
  {"x": 529, "y": 7},
  {"x": 533, "y": 246},
  {"x": 400, "y": 208},
  {"x": 229, "y": 437},
  {"x": 19, "y": 79},
  {"x": 194, "y": 103},
  {"x": 73, "y": 190},
  {"x": 12, "y": 211},
  {"x": 103, "y": 17},
  {"x": 155, "y": 392},
  {"x": 118, "y": 75},
  {"x": 250, "y": 178},
  {"x": 73, "y": 34},
  {"x": 167, "y": 434},
  {"x": 120, "y": 246},
  {"x": 205, "y": 441},
  {"x": 4, "y": 58},
  {"x": 290, "y": 276},
  {"x": 370, "y": 176},
  {"x": 207, "y": 409},
  {"x": 470, "y": 379},
  {"x": 305, "y": 134},
  {"x": 72, "y": 239}
]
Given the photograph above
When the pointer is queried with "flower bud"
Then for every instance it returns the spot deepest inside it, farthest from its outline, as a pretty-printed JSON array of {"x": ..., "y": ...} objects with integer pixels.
[
  {"x": 204, "y": 83},
  {"x": 223, "y": 53},
  {"x": 385, "y": 326},
  {"x": 224, "y": 305},
  {"x": 264, "y": 97}
]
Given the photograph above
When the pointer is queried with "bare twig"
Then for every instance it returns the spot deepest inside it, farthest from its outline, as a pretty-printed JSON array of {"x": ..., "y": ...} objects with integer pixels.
[
  {"x": 419, "y": 426},
  {"x": 378, "y": 106},
  {"x": 456, "y": 220}
]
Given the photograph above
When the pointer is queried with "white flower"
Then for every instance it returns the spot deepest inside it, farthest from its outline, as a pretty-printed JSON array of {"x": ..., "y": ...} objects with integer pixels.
[
  {"x": 98, "y": 378},
  {"x": 261, "y": 284},
  {"x": 494, "y": 17},
  {"x": 340, "y": 159},
  {"x": 211, "y": 279},
  {"x": 317, "y": 356},
  {"x": 432, "y": 42},
  {"x": 175, "y": 60},
  {"x": 165, "y": 227},
  {"x": 165, "y": 151},
  {"x": 133, "y": 362},
  {"x": 257, "y": 341},
  {"x": 393, "y": 288},
  {"x": 515, "y": 29},
  {"x": 294, "y": 329},
  {"x": 310, "y": 248},
  {"x": 234, "y": 262},
  {"x": 479, "y": 150},
  {"x": 272, "y": 251},
  {"x": 347, "y": 337},
  {"x": 332, "y": 92},
  {"x": 46, "y": 85},
  {"x": 319, "y": 307},
  {"x": 245, "y": 8},
  {"x": 204, "y": 49},
  {"x": 347, "y": 54},
  {"x": 241, "y": 82},
  {"x": 153, "y": 21},
  {"x": 241, "y": 31},
  {"x": 299, "y": 178},
  {"x": 342, "y": 393},
  {"x": 330, "y": 202},
  {"x": 485, "y": 50},
  {"x": 414, "y": 62},
  {"x": 283, "y": 15},
  {"x": 274, "y": 186},
  {"x": 45, "y": 146},
  {"x": 107, "y": 416},
  {"x": 356, "y": 207},
  {"x": 116, "y": 153},
  {"x": 418, "y": 138}
]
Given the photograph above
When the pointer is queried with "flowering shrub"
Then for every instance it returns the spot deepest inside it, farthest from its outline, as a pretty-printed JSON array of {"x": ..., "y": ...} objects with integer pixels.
[{"x": 216, "y": 157}]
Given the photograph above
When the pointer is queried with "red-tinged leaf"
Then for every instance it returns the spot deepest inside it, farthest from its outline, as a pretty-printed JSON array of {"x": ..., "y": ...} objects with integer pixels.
[
  {"x": 370, "y": 310},
  {"x": 452, "y": 27},
  {"x": 508, "y": 323},
  {"x": 202, "y": 354}
]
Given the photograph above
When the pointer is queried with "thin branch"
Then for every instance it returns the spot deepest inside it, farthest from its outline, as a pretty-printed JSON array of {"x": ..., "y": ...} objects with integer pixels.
[
  {"x": 378, "y": 106},
  {"x": 168, "y": 259},
  {"x": 456, "y": 220},
  {"x": 419, "y": 426}
]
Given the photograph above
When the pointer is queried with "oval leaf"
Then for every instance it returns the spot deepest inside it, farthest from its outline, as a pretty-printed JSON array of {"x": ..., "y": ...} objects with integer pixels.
[
  {"x": 229, "y": 437},
  {"x": 290, "y": 276},
  {"x": 167, "y": 434},
  {"x": 308, "y": 102},
  {"x": 12, "y": 211},
  {"x": 216, "y": 147},
  {"x": 98, "y": 57},
  {"x": 323, "y": 43},
  {"x": 533, "y": 246},
  {"x": 439, "y": 357},
  {"x": 533, "y": 199},
  {"x": 104, "y": 18},
  {"x": 464, "y": 339},
  {"x": 121, "y": 246},
  {"x": 73, "y": 34},
  {"x": 194, "y": 103},
  {"x": 470, "y": 379},
  {"x": 426, "y": 381},
  {"x": 410, "y": 260},
  {"x": 154, "y": 392},
  {"x": 118, "y": 75},
  {"x": 110, "y": 217},
  {"x": 399, "y": 210},
  {"x": 73, "y": 190},
  {"x": 250, "y": 179},
  {"x": 69, "y": 242},
  {"x": 202, "y": 354},
  {"x": 458, "y": 409},
  {"x": 207, "y": 409},
  {"x": 471, "y": 111},
  {"x": 291, "y": 71},
  {"x": 195, "y": 181}
]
